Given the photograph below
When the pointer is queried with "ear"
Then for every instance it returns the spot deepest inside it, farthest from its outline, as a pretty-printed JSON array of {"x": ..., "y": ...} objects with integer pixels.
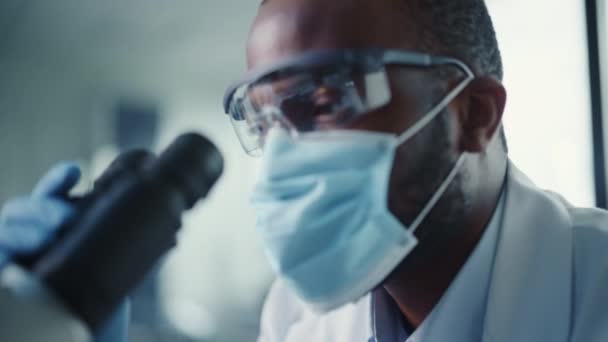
[{"x": 482, "y": 117}]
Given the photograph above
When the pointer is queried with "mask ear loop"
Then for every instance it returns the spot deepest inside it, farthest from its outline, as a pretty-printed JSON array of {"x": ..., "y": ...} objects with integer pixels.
[
  {"x": 420, "y": 125},
  {"x": 410, "y": 132},
  {"x": 437, "y": 195}
]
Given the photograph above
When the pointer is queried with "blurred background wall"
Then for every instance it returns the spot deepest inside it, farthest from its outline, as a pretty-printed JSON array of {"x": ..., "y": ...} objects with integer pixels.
[{"x": 83, "y": 80}]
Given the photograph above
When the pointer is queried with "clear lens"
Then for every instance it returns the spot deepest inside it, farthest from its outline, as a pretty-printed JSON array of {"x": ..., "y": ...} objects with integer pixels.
[
  {"x": 305, "y": 101},
  {"x": 250, "y": 142}
]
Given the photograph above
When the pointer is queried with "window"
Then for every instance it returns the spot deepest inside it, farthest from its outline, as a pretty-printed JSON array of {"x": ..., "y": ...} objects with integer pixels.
[{"x": 547, "y": 120}]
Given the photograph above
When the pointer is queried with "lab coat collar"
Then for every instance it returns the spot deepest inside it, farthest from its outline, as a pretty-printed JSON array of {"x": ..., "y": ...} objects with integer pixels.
[{"x": 532, "y": 277}]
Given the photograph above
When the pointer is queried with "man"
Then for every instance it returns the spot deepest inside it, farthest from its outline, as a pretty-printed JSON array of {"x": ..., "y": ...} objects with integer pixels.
[{"x": 386, "y": 201}]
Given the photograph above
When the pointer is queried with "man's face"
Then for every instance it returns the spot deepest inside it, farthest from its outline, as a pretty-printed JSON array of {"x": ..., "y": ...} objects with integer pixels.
[{"x": 288, "y": 28}]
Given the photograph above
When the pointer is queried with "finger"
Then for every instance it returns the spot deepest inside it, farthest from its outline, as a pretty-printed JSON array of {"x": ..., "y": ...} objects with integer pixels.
[
  {"x": 27, "y": 239},
  {"x": 46, "y": 212},
  {"x": 26, "y": 224},
  {"x": 58, "y": 181}
]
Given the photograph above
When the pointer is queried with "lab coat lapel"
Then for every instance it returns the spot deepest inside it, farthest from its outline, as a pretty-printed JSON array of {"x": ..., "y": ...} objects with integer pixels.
[{"x": 530, "y": 292}]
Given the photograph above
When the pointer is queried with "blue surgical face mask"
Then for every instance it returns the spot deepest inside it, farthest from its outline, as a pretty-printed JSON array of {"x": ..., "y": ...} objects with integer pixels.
[{"x": 321, "y": 203}]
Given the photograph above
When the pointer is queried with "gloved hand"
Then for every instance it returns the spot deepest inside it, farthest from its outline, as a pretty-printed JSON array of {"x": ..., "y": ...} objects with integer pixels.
[{"x": 29, "y": 223}]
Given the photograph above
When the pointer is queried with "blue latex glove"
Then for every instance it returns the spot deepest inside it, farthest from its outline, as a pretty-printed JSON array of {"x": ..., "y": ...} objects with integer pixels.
[
  {"x": 28, "y": 223},
  {"x": 116, "y": 328}
]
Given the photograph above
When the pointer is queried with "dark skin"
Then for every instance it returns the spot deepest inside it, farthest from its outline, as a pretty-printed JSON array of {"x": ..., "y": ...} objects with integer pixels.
[{"x": 470, "y": 124}]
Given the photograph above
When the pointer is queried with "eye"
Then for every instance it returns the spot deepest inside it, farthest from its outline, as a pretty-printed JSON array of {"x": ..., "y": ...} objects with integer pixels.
[{"x": 325, "y": 96}]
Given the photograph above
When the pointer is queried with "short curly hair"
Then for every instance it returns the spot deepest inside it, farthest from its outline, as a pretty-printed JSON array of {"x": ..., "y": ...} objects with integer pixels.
[{"x": 462, "y": 29}]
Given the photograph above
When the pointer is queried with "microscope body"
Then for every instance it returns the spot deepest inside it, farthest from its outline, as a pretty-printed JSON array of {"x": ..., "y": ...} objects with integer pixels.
[
  {"x": 71, "y": 288},
  {"x": 30, "y": 312}
]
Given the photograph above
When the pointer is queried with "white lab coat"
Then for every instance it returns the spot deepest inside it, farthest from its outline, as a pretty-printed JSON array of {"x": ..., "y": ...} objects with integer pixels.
[{"x": 550, "y": 280}]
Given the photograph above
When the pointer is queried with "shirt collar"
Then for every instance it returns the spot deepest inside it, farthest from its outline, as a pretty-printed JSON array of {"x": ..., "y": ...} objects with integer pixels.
[{"x": 459, "y": 315}]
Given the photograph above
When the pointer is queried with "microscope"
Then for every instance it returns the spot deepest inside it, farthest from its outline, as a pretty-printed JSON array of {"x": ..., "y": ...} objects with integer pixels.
[{"x": 130, "y": 219}]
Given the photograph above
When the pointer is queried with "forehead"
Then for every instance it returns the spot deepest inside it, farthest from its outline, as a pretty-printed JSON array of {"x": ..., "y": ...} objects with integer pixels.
[{"x": 287, "y": 28}]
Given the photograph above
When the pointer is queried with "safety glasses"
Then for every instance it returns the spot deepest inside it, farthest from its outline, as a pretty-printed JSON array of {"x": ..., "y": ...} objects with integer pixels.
[{"x": 319, "y": 90}]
